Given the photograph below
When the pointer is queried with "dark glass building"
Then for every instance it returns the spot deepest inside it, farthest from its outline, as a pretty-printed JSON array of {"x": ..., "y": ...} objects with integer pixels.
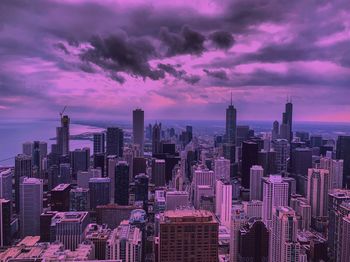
[
  {"x": 121, "y": 194},
  {"x": 249, "y": 158}
]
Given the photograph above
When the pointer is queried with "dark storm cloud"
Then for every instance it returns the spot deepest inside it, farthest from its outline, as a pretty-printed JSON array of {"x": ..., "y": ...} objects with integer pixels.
[
  {"x": 121, "y": 53},
  {"x": 187, "y": 41},
  {"x": 179, "y": 74},
  {"x": 222, "y": 39},
  {"x": 220, "y": 74}
]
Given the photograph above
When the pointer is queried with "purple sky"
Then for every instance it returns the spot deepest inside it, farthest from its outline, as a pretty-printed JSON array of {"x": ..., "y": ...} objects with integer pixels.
[{"x": 175, "y": 59}]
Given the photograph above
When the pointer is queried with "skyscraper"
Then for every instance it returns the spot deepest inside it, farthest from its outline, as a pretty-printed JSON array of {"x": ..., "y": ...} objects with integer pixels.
[
  {"x": 6, "y": 184},
  {"x": 121, "y": 187},
  {"x": 125, "y": 243},
  {"x": 284, "y": 244},
  {"x": 338, "y": 207},
  {"x": 99, "y": 143},
  {"x": 60, "y": 198},
  {"x": 23, "y": 168},
  {"x": 254, "y": 239},
  {"x": 99, "y": 188},
  {"x": 79, "y": 199},
  {"x": 80, "y": 160},
  {"x": 188, "y": 235},
  {"x": 317, "y": 191},
  {"x": 275, "y": 130},
  {"x": 31, "y": 206},
  {"x": 231, "y": 124},
  {"x": 138, "y": 127},
  {"x": 223, "y": 201},
  {"x": 281, "y": 148},
  {"x": 335, "y": 168},
  {"x": 288, "y": 121},
  {"x": 156, "y": 146},
  {"x": 249, "y": 158},
  {"x": 343, "y": 152},
  {"x": 62, "y": 136},
  {"x": 275, "y": 194},
  {"x": 158, "y": 172},
  {"x": 115, "y": 141},
  {"x": 222, "y": 168},
  {"x": 69, "y": 228},
  {"x": 256, "y": 175},
  {"x": 5, "y": 222}
]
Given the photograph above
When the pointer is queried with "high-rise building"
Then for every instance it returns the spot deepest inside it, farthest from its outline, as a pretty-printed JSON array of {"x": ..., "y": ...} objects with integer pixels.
[
  {"x": 5, "y": 222},
  {"x": 287, "y": 120},
  {"x": 156, "y": 146},
  {"x": 222, "y": 168},
  {"x": 284, "y": 244},
  {"x": 46, "y": 235},
  {"x": 275, "y": 194},
  {"x": 6, "y": 184},
  {"x": 253, "y": 208},
  {"x": 176, "y": 199},
  {"x": 23, "y": 168},
  {"x": 280, "y": 146},
  {"x": 301, "y": 161},
  {"x": 141, "y": 187},
  {"x": 249, "y": 158},
  {"x": 158, "y": 172},
  {"x": 343, "y": 152},
  {"x": 114, "y": 141},
  {"x": 112, "y": 214},
  {"x": 80, "y": 160},
  {"x": 60, "y": 198},
  {"x": 275, "y": 130},
  {"x": 345, "y": 247},
  {"x": 125, "y": 244},
  {"x": 335, "y": 168},
  {"x": 121, "y": 186},
  {"x": 99, "y": 188},
  {"x": 138, "y": 127},
  {"x": 188, "y": 235},
  {"x": 303, "y": 210},
  {"x": 338, "y": 207},
  {"x": 99, "y": 143},
  {"x": 99, "y": 160},
  {"x": 31, "y": 206},
  {"x": 69, "y": 228},
  {"x": 317, "y": 191},
  {"x": 267, "y": 160},
  {"x": 62, "y": 136},
  {"x": 256, "y": 175},
  {"x": 254, "y": 239},
  {"x": 231, "y": 124},
  {"x": 79, "y": 199},
  {"x": 98, "y": 235},
  {"x": 239, "y": 218},
  {"x": 223, "y": 207}
]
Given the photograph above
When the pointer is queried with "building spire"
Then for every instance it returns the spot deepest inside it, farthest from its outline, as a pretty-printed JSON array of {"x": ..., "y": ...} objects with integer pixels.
[{"x": 231, "y": 98}]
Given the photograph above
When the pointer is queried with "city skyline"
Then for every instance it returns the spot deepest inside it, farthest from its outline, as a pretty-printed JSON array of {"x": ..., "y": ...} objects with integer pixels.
[{"x": 182, "y": 65}]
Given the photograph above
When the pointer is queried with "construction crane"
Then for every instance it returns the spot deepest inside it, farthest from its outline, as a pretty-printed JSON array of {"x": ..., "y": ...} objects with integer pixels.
[{"x": 64, "y": 109}]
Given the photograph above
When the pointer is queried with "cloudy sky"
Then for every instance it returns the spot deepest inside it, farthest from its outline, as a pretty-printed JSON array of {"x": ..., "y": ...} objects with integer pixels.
[{"x": 175, "y": 59}]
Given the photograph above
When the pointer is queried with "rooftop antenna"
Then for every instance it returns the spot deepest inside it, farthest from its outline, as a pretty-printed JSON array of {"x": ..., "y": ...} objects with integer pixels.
[
  {"x": 231, "y": 98},
  {"x": 64, "y": 109}
]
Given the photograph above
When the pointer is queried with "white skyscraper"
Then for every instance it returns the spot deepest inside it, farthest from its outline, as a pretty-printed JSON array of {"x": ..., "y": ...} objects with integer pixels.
[
  {"x": 335, "y": 168},
  {"x": 256, "y": 174},
  {"x": 223, "y": 206},
  {"x": 202, "y": 176},
  {"x": 275, "y": 194},
  {"x": 253, "y": 208},
  {"x": 317, "y": 191},
  {"x": 284, "y": 245},
  {"x": 31, "y": 203},
  {"x": 222, "y": 168}
]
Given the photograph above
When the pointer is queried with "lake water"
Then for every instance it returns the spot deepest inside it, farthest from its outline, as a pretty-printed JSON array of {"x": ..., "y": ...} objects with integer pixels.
[{"x": 14, "y": 134}]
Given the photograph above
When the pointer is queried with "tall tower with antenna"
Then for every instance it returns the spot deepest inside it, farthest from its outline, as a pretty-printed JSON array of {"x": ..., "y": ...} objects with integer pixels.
[{"x": 231, "y": 123}]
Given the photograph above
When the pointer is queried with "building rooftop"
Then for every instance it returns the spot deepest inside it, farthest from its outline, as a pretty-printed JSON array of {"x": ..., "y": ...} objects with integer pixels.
[
  {"x": 61, "y": 187},
  {"x": 187, "y": 216},
  {"x": 69, "y": 217}
]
